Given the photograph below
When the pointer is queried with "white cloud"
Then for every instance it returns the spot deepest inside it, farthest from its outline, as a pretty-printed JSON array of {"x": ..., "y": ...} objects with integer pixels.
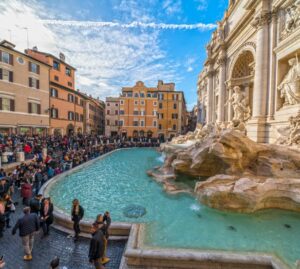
[
  {"x": 202, "y": 4},
  {"x": 135, "y": 24},
  {"x": 190, "y": 69},
  {"x": 172, "y": 6}
]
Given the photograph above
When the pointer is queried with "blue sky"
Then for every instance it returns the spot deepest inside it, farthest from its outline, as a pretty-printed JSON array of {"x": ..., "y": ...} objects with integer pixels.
[{"x": 114, "y": 43}]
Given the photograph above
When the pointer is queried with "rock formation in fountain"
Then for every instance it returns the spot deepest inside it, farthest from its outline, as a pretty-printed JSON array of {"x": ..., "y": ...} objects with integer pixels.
[{"x": 243, "y": 175}]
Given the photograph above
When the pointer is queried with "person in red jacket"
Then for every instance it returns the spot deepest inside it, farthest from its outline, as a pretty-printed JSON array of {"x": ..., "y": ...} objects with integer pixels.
[{"x": 26, "y": 192}]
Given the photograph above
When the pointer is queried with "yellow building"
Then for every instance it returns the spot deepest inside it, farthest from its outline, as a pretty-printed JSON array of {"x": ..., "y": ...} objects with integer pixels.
[
  {"x": 150, "y": 111},
  {"x": 24, "y": 92}
]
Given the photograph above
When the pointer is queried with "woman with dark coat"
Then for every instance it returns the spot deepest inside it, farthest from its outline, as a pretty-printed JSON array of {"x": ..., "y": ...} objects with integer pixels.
[
  {"x": 46, "y": 214},
  {"x": 77, "y": 215}
]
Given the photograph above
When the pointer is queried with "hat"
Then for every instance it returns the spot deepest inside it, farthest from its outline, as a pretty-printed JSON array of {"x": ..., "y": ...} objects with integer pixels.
[{"x": 54, "y": 263}]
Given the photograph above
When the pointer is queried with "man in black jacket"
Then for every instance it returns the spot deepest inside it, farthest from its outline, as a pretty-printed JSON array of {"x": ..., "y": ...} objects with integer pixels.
[
  {"x": 27, "y": 225},
  {"x": 96, "y": 250},
  {"x": 35, "y": 204}
]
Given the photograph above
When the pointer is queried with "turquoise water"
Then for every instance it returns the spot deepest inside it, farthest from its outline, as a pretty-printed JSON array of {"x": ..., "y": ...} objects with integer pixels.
[{"x": 120, "y": 180}]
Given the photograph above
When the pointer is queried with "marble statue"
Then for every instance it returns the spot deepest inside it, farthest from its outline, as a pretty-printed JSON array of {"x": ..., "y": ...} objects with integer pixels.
[
  {"x": 294, "y": 135},
  {"x": 240, "y": 105},
  {"x": 290, "y": 86},
  {"x": 292, "y": 18}
]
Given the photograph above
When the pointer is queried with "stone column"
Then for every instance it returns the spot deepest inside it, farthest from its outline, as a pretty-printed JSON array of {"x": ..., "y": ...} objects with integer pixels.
[
  {"x": 222, "y": 89},
  {"x": 230, "y": 111},
  {"x": 272, "y": 66},
  {"x": 261, "y": 68},
  {"x": 210, "y": 97}
]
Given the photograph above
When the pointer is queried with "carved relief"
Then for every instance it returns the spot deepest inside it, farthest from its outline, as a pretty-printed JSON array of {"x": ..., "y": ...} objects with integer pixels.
[
  {"x": 292, "y": 19},
  {"x": 290, "y": 86},
  {"x": 291, "y": 134}
]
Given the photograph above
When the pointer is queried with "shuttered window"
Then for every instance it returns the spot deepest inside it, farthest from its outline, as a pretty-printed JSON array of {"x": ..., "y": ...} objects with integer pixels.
[
  {"x": 34, "y": 108},
  {"x": 33, "y": 83},
  {"x": 34, "y": 68},
  {"x": 7, "y": 104},
  {"x": 6, "y": 75}
]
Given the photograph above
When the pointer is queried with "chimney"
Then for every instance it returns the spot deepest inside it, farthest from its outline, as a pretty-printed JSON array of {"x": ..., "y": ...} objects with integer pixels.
[
  {"x": 35, "y": 48},
  {"x": 62, "y": 57}
]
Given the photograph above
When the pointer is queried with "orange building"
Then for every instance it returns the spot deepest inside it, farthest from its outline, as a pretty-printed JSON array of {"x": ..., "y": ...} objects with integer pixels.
[
  {"x": 66, "y": 104},
  {"x": 151, "y": 112}
]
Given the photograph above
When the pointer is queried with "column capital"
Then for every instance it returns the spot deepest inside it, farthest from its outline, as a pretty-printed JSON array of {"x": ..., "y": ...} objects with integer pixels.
[{"x": 262, "y": 19}]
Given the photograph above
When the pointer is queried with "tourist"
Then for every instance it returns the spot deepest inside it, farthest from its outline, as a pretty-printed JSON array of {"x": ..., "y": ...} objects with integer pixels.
[
  {"x": 38, "y": 178},
  {"x": 103, "y": 224},
  {"x": 2, "y": 263},
  {"x": 96, "y": 250},
  {"x": 35, "y": 204},
  {"x": 2, "y": 218},
  {"x": 9, "y": 207},
  {"x": 27, "y": 225},
  {"x": 77, "y": 215},
  {"x": 46, "y": 214},
  {"x": 26, "y": 192},
  {"x": 4, "y": 187}
]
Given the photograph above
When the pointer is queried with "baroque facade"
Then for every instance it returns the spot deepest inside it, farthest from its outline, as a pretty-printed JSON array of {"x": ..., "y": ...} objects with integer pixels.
[{"x": 252, "y": 72}]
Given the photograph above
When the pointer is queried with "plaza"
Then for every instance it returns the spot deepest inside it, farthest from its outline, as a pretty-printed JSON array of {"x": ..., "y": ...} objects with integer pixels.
[{"x": 102, "y": 164}]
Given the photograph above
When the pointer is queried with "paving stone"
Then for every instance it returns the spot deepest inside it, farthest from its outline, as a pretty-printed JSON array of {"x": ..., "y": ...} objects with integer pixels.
[{"x": 72, "y": 255}]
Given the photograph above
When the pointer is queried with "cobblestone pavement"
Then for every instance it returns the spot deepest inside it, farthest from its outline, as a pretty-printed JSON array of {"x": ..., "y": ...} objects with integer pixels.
[{"x": 72, "y": 255}]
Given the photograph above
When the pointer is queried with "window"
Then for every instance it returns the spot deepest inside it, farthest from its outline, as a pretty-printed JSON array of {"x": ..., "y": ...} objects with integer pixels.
[
  {"x": 136, "y": 95},
  {"x": 175, "y": 96},
  {"x": 81, "y": 117},
  {"x": 136, "y": 102},
  {"x": 6, "y": 75},
  {"x": 121, "y": 112},
  {"x": 159, "y": 126},
  {"x": 56, "y": 65},
  {"x": 56, "y": 78},
  {"x": 129, "y": 94},
  {"x": 116, "y": 104},
  {"x": 161, "y": 96},
  {"x": 142, "y": 123},
  {"x": 142, "y": 102},
  {"x": 76, "y": 100},
  {"x": 135, "y": 112},
  {"x": 34, "y": 108},
  {"x": 71, "y": 98},
  {"x": 107, "y": 122},
  {"x": 116, "y": 123},
  {"x": 121, "y": 123},
  {"x": 154, "y": 95},
  {"x": 160, "y": 116},
  {"x": 108, "y": 104},
  {"x": 54, "y": 92},
  {"x": 149, "y": 94},
  {"x": 155, "y": 103},
  {"x": 142, "y": 95},
  {"x": 175, "y": 106},
  {"x": 174, "y": 127},
  {"x": 135, "y": 123},
  {"x": 54, "y": 113},
  {"x": 68, "y": 71},
  {"x": 76, "y": 116},
  {"x": 7, "y": 104},
  {"x": 116, "y": 112},
  {"x": 7, "y": 58},
  {"x": 108, "y": 112},
  {"x": 34, "y": 83},
  {"x": 142, "y": 112},
  {"x": 155, "y": 123},
  {"x": 122, "y": 102},
  {"x": 70, "y": 84},
  {"x": 174, "y": 116},
  {"x": 154, "y": 113},
  {"x": 160, "y": 105},
  {"x": 34, "y": 68},
  {"x": 70, "y": 115},
  {"x": 81, "y": 102}
]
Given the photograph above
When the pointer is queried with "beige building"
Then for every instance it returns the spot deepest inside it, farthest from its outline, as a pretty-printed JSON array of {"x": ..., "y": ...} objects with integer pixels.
[
  {"x": 112, "y": 116},
  {"x": 24, "y": 92},
  {"x": 252, "y": 74}
]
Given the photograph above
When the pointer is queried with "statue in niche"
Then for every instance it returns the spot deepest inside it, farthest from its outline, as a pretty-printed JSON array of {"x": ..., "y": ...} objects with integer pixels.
[
  {"x": 240, "y": 105},
  {"x": 290, "y": 86},
  {"x": 292, "y": 18}
]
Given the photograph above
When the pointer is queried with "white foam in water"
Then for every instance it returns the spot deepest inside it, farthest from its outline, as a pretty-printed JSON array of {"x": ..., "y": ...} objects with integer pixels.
[
  {"x": 161, "y": 158},
  {"x": 195, "y": 207}
]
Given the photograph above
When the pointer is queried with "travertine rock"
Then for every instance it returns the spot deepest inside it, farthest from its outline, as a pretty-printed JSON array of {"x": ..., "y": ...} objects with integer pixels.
[{"x": 249, "y": 194}]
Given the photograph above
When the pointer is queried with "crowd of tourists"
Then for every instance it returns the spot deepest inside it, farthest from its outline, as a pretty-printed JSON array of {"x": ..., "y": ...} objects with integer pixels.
[{"x": 49, "y": 156}]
